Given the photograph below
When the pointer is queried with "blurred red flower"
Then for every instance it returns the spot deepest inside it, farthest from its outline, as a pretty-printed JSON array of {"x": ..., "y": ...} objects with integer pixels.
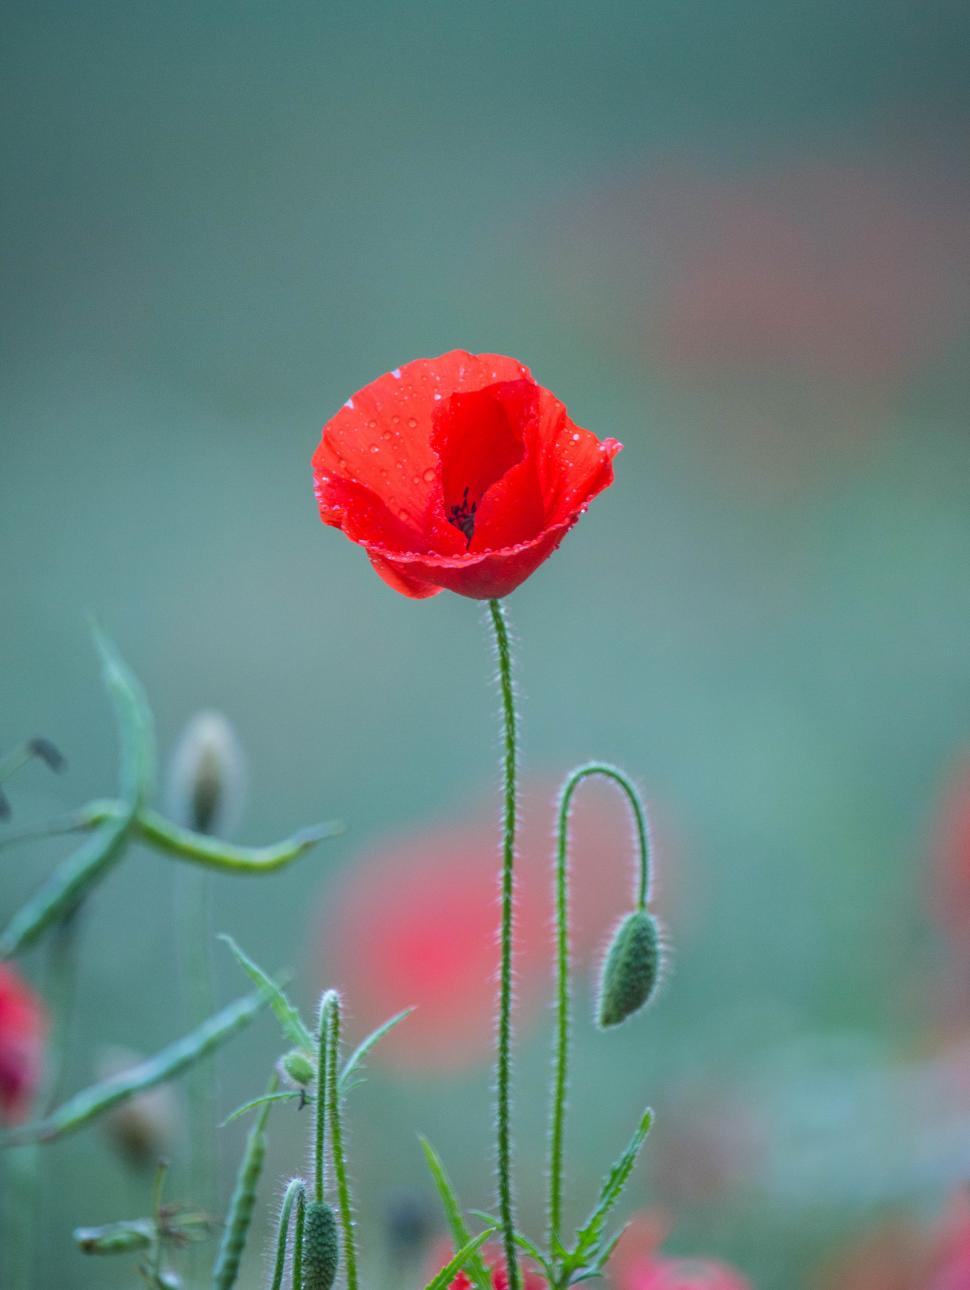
[
  {"x": 950, "y": 893},
  {"x": 639, "y": 1265},
  {"x": 458, "y": 473},
  {"x": 414, "y": 923},
  {"x": 23, "y": 1023},
  {"x": 500, "y": 1277}
]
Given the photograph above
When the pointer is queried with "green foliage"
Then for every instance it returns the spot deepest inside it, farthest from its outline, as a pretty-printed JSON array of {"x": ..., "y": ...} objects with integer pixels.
[
  {"x": 243, "y": 1200},
  {"x": 460, "y": 1235},
  {"x": 460, "y": 1261},
  {"x": 92, "y": 1102}
]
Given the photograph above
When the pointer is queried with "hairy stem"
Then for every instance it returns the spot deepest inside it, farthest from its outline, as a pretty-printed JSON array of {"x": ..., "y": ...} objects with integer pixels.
[
  {"x": 337, "y": 1145},
  {"x": 563, "y": 991},
  {"x": 500, "y": 626}
]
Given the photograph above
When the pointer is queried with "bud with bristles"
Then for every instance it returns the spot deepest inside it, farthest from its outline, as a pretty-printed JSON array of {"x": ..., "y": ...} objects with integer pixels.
[
  {"x": 321, "y": 1251},
  {"x": 206, "y": 775},
  {"x": 631, "y": 970},
  {"x": 299, "y": 1067}
]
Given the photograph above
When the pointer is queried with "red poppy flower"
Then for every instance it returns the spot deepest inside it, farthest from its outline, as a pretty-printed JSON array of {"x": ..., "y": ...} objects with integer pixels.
[
  {"x": 458, "y": 473},
  {"x": 500, "y": 1277},
  {"x": 424, "y": 905},
  {"x": 639, "y": 1265},
  {"x": 22, "y": 1026}
]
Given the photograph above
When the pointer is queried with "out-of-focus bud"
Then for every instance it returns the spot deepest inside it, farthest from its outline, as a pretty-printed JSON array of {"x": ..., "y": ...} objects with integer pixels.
[
  {"x": 299, "y": 1067},
  {"x": 321, "y": 1250},
  {"x": 631, "y": 970},
  {"x": 141, "y": 1128},
  {"x": 207, "y": 775}
]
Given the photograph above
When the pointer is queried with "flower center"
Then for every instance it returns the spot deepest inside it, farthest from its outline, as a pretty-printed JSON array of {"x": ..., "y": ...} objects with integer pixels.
[{"x": 462, "y": 516}]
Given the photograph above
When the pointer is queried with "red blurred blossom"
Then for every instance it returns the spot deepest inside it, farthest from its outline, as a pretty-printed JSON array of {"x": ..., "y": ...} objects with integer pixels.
[
  {"x": 458, "y": 473},
  {"x": 950, "y": 891},
  {"x": 639, "y": 1265},
  {"x": 500, "y": 1277},
  {"x": 23, "y": 1023},
  {"x": 414, "y": 922},
  {"x": 902, "y": 1256}
]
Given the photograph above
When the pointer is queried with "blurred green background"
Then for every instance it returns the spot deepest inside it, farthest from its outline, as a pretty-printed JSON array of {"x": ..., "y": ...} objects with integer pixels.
[{"x": 733, "y": 235}]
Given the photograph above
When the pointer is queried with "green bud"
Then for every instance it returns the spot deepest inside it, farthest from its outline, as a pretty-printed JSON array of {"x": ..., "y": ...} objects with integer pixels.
[
  {"x": 631, "y": 969},
  {"x": 321, "y": 1251},
  {"x": 299, "y": 1067}
]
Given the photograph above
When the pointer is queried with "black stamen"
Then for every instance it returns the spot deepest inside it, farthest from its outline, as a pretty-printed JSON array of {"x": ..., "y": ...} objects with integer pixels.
[{"x": 462, "y": 516}]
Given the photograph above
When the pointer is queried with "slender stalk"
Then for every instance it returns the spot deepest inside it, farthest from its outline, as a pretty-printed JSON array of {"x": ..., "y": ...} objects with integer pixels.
[
  {"x": 295, "y": 1189},
  {"x": 563, "y": 991},
  {"x": 337, "y": 1147},
  {"x": 193, "y": 894},
  {"x": 320, "y": 1124},
  {"x": 504, "y": 1061}
]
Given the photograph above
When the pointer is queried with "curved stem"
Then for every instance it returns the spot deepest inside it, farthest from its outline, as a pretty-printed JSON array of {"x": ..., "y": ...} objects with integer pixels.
[
  {"x": 561, "y": 1077},
  {"x": 337, "y": 1148},
  {"x": 500, "y": 626}
]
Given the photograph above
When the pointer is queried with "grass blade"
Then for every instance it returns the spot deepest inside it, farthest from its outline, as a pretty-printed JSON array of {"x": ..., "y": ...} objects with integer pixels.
[
  {"x": 456, "y": 1221},
  {"x": 241, "y": 1206},
  {"x": 363, "y": 1048},
  {"x": 284, "y": 1011},
  {"x": 451, "y": 1270},
  {"x": 165, "y": 1065}
]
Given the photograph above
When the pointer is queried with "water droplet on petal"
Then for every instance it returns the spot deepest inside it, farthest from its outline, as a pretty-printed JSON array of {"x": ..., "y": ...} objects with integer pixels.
[
  {"x": 413, "y": 422},
  {"x": 429, "y": 476}
]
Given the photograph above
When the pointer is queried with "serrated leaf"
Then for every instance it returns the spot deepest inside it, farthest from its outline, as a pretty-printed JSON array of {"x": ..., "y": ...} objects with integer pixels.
[
  {"x": 590, "y": 1234},
  {"x": 458, "y": 1263},
  {"x": 284, "y": 1011},
  {"x": 456, "y": 1222}
]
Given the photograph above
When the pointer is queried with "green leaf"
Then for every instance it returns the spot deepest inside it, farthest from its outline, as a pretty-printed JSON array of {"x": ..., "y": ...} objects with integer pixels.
[
  {"x": 590, "y": 1234},
  {"x": 243, "y": 1201},
  {"x": 363, "y": 1048},
  {"x": 522, "y": 1242},
  {"x": 451, "y": 1270},
  {"x": 456, "y": 1222},
  {"x": 284, "y": 1011},
  {"x": 72, "y": 879},
  {"x": 285, "y": 1096},
  {"x": 165, "y": 1065}
]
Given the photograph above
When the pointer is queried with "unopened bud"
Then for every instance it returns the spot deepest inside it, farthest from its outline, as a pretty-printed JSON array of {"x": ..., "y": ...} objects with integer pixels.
[
  {"x": 299, "y": 1067},
  {"x": 321, "y": 1250},
  {"x": 206, "y": 776},
  {"x": 631, "y": 970}
]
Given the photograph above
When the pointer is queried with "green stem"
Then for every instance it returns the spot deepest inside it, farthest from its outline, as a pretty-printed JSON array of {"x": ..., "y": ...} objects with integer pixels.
[
  {"x": 320, "y": 1125},
  {"x": 336, "y": 1135},
  {"x": 193, "y": 894},
  {"x": 500, "y": 626},
  {"x": 296, "y": 1188},
  {"x": 561, "y": 1065}
]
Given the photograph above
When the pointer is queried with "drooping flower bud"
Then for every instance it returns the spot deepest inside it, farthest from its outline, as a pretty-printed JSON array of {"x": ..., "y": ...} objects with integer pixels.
[
  {"x": 321, "y": 1249},
  {"x": 631, "y": 969},
  {"x": 299, "y": 1067},
  {"x": 207, "y": 775}
]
